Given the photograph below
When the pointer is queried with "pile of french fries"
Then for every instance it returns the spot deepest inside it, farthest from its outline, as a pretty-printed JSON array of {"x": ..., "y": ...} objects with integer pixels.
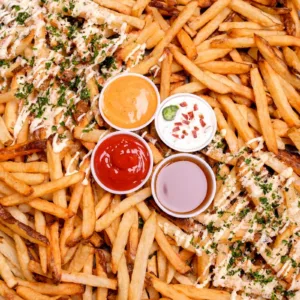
[{"x": 62, "y": 236}]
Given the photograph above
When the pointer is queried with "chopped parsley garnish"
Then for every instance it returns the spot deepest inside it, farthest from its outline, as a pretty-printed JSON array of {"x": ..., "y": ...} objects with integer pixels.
[
  {"x": 22, "y": 17},
  {"x": 48, "y": 65},
  {"x": 85, "y": 94},
  {"x": 24, "y": 91}
]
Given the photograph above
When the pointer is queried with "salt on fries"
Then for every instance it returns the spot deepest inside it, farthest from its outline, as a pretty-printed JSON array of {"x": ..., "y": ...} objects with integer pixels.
[{"x": 62, "y": 236}]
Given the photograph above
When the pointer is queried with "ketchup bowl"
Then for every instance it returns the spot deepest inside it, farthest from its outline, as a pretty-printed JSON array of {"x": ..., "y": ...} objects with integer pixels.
[
  {"x": 183, "y": 185},
  {"x": 122, "y": 162}
]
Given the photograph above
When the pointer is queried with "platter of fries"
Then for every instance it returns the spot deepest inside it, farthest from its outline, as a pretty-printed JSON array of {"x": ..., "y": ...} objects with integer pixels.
[{"x": 63, "y": 236}]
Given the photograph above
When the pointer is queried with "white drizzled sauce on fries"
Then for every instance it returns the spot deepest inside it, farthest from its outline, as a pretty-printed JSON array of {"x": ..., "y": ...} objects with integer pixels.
[{"x": 81, "y": 50}]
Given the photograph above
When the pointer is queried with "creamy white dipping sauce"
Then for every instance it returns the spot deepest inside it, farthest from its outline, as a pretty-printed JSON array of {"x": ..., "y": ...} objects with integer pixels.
[{"x": 193, "y": 126}]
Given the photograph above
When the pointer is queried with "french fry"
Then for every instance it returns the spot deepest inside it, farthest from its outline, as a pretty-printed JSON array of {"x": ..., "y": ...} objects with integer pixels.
[
  {"x": 225, "y": 67},
  {"x": 52, "y": 289},
  {"x": 23, "y": 257},
  {"x": 192, "y": 87},
  {"x": 263, "y": 112},
  {"x": 88, "y": 279},
  {"x": 210, "y": 27},
  {"x": 55, "y": 262},
  {"x": 21, "y": 229},
  {"x": 15, "y": 183},
  {"x": 245, "y": 32},
  {"x": 31, "y": 167},
  {"x": 202, "y": 77},
  {"x": 210, "y": 55},
  {"x": 30, "y": 179},
  {"x": 209, "y": 14},
  {"x": 230, "y": 136},
  {"x": 250, "y": 12},
  {"x": 165, "y": 75},
  {"x": 138, "y": 7},
  {"x": 114, "y": 5},
  {"x": 123, "y": 279},
  {"x": 40, "y": 226},
  {"x": 6, "y": 273},
  {"x": 165, "y": 289},
  {"x": 278, "y": 66},
  {"x": 89, "y": 216},
  {"x": 291, "y": 59},
  {"x": 125, "y": 205},
  {"x": 5, "y": 136},
  {"x": 92, "y": 136},
  {"x": 88, "y": 269},
  {"x": 278, "y": 95},
  {"x": 187, "y": 44},
  {"x": 140, "y": 264},
  {"x": 185, "y": 15},
  {"x": 121, "y": 239},
  {"x": 294, "y": 135},
  {"x": 8, "y": 293},
  {"x": 27, "y": 293},
  {"x": 238, "y": 120},
  {"x": 43, "y": 189}
]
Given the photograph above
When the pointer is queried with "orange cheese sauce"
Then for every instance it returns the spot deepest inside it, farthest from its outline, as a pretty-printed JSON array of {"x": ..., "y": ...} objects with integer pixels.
[{"x": 129, "y": 102}]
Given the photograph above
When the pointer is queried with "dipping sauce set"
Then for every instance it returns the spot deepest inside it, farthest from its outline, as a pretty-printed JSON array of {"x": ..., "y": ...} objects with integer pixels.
[{"x": 183, "y": 185}]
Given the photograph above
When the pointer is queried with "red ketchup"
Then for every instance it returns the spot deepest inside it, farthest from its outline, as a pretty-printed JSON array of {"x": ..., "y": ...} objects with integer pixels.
[{"x": 121, "y": 162}]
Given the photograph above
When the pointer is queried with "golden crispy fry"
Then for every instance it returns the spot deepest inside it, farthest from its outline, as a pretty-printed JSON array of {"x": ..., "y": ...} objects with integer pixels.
[
  {"x": 140, "y": 263},
  {"x": 225, "y": 67},
  {"x": 278, "y": 95},
  {"x": 166, "y": 73},
  {"x": 125, "y": 205},
  {"x": 202, "y": 77},
  {"x": 263, "y": 112},
  {"x": 187, "y": 44},
  {"x": 21, "y": 229},
  {"x": 89, "y": 216},
  {"x": 43, "y": 189}
]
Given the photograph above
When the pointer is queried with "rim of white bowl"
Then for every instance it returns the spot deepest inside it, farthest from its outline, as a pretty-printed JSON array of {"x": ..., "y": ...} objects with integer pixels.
[
  {"x": 200, "y": 208},
  {"x": 102, "y": 96},
  {"x": 94, "y": 171},
  {"x": 158, "y": 129}
]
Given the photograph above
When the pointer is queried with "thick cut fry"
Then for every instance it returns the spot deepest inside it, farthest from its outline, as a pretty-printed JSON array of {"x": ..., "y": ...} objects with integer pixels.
[
  {"x": 23, "y": 257},
  {"x": 165, "y": 289},
  {"x": 88, "y": 212},
  {"x": 202, "y": 77},
  {"x": 278, "y": 65},
  {"x": 15, "y": 183},
  {"x": 43, "y": 189},
  {"x": 209, "y": 28},
  {"x": 31, "y": 167},
  {"x": 192, "y": 87},
  {"x": 263, "y": 112},
  {"x": 187, "y": 44},
  {"x": 291, "y": 59},
  {"x": 140, "y": 264},
  {"x": 88, "y": 279},
  {"x": 177, "y": 25},
  {"x": 115, "y": 5},
  {"x": 125, "y": 205},
  {"x": 294, "y": 135},
  {"x": 210, "y": 55},
  {"x": 225, "y": 67},
  {"x": 52, "y": 289},
  {"x": 30, "y": 179},
  {"x": 209, "y": 14},
  {"x": 238, "y": 120},
  {"x": 121, "y": 239},
  {"x": 55, "y": 170},
  {"x": 203, "y": 293},
  {"x": 123, "y": 279},
  {"x": 230, "y": 136},
  {"x": 92, "y": 136},
  {"x": 51, "y": 208},
  {"x": 21, "y": 229},
  {"x": 6, "y": 273},
  {"x": 29, "y": 294},
  {"x": 166, "y": 73},
  {"x": 250, "y": 12},
  {"x": 239, "y": 32},
  {"x": 55, "y": 262},
  {"x": 8, "y": 293},
  {"x": 278, "y": 95}
]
